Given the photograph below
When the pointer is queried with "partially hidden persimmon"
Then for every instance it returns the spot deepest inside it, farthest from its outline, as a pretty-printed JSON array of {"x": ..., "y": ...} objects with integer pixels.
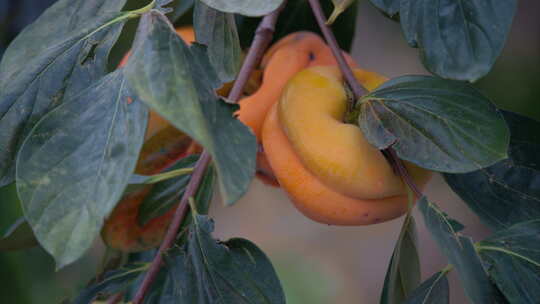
[
  {"x": 330, "y": 171},
  {"x": 164, "y": 145},
  {"x": 282, "y": 61}
]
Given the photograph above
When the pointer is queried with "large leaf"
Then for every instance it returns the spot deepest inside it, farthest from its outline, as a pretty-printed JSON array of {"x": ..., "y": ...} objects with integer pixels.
[
  {"x": 438, "y": 124},
  {"x": 56, "y": 57},
  {"x": 244, "y": 7},
  {"x": 509, "y": 191},
  {"x": 461, "y": 254},
  {"x": 210, "y": 272},
  {"x": 178, "y": 82},
  {"x": 513, "y": 258},
  {"x": 75, "y": 164},
  {"x": 403, "y": 274},
  {"x": 434, "y": 290},
  {"x": 457, "y": 39},
  {"x": 297, "y": 15},
  {"x": 18, "y": 236},
  {"x": 218, "y": 32}
]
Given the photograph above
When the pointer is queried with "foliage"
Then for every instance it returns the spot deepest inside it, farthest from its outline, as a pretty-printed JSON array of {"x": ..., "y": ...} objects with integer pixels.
[{"x": 72, "y": 131}]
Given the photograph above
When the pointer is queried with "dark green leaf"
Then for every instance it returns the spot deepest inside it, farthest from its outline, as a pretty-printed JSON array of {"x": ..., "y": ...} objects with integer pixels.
[
  {"x": 75, "y": 164},
  {"x": 403, "y": 274},
  {"x": 438, "y": 124},
  {"x": 18, "y": 236},
  {"x": 298, "y": 16},
  {"x": 178, "y": 82},
  {"x": 388, "y": 7},
  {"x": 509, "y": 191},
  {"x": 218, "y": 32},
  {"x": 56, "y": 57},
  {"x": 210, "y": 272},
  {"x": 113, "y": 282},
  {"x": 461, "y": 254},
  {"x": 457, "y": 39},
  {"x": 180, "y": 7},
  {"x": 513, "y": 258},
  {"x": 244, "y": 7},
  {"x": 165, "y": 194},
  {"x": 432, "y": 291}
]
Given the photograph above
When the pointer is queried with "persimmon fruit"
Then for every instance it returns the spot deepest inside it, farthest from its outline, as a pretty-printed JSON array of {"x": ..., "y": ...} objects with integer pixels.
[{"x": 330, "y": 171}]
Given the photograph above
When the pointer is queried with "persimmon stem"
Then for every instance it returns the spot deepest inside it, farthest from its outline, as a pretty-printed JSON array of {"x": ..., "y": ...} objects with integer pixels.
[
  {"x": 357, "y": 89},
  {"x": 263, "y": 36}
]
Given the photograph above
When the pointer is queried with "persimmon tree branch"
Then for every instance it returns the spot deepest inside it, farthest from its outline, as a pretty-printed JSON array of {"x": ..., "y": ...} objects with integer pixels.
[
  {"x": 357, "y": 89},
  {"x": 263, "y": 36}
]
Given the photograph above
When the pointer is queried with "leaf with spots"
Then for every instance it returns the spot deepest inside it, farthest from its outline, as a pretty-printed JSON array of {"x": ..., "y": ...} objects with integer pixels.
[
  {"x": 75, "y": 164},
  {"x": 61, "y": 53}
]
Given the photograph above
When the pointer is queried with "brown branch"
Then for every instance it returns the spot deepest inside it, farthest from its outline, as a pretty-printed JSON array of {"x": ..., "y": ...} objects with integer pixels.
[
  {"x": 358, "y": 90},
  {"x": 262, "y": 39}
]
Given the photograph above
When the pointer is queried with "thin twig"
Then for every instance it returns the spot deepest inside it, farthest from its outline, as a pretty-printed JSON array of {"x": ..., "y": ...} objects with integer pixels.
[
  {"x": 404, "y": 173},
  {"x": 358, "y": 90},
  {"x": 262, "y": 39}
]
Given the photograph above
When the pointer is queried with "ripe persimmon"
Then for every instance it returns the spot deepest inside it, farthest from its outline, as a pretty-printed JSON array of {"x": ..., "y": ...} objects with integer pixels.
[
  {"x": 327, "y": 167},
  {"x": 283, "y": 60}
]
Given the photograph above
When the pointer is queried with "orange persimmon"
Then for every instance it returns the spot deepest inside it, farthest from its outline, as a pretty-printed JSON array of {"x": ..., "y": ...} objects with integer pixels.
[{"x": 327, "y": 167}]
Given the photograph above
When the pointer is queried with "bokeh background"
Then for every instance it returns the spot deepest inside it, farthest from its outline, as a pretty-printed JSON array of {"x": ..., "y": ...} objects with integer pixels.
[{"x": 316, "y": 263}]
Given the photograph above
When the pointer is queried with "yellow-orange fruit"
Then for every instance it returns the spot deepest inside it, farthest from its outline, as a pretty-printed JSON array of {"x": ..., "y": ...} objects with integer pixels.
[
  {"x": 329, "y": 170},
  {"x": 289, "y": 56},
  {"x": 282, "y": 61}
]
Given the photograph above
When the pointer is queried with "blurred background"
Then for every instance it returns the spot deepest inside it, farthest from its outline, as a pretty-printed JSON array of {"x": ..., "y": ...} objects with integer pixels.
[{"x": 316, "y": 263}]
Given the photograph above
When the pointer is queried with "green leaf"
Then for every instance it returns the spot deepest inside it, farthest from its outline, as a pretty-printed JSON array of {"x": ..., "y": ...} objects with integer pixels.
[
  {"x": 509, "y": 191},
  {"x": 244, "y": 7},
  {"x": 75, "y": 164},
  {"x": 18, "y": 236},
  {"x": 218, "y": 32},
  {"x": 113, "y": 282},
  {"x": 461, "y": 254},
  {"x": 178, "y": 82},
  {"x": 457, "y": 39},
  {"x": 438, "y": 124},
  {"x": 434, "y": 290},
  {"x": 388, "y": 7},
  {"x": 211, "y": 272},
  {"x": 513, "y": 256},
  {"x": 54, "y": 58},
  {"x": 165, "y": 194},
  {"x": 297, "y": 15},
  {"x": 403, "y": 274}
]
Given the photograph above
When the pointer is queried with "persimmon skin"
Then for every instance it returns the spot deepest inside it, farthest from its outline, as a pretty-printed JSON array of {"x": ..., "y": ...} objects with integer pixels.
[
  {"x": 282, "y": 61},
  {"x": 315, "y": 197},
  {"x": 287, "y": 57}
]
